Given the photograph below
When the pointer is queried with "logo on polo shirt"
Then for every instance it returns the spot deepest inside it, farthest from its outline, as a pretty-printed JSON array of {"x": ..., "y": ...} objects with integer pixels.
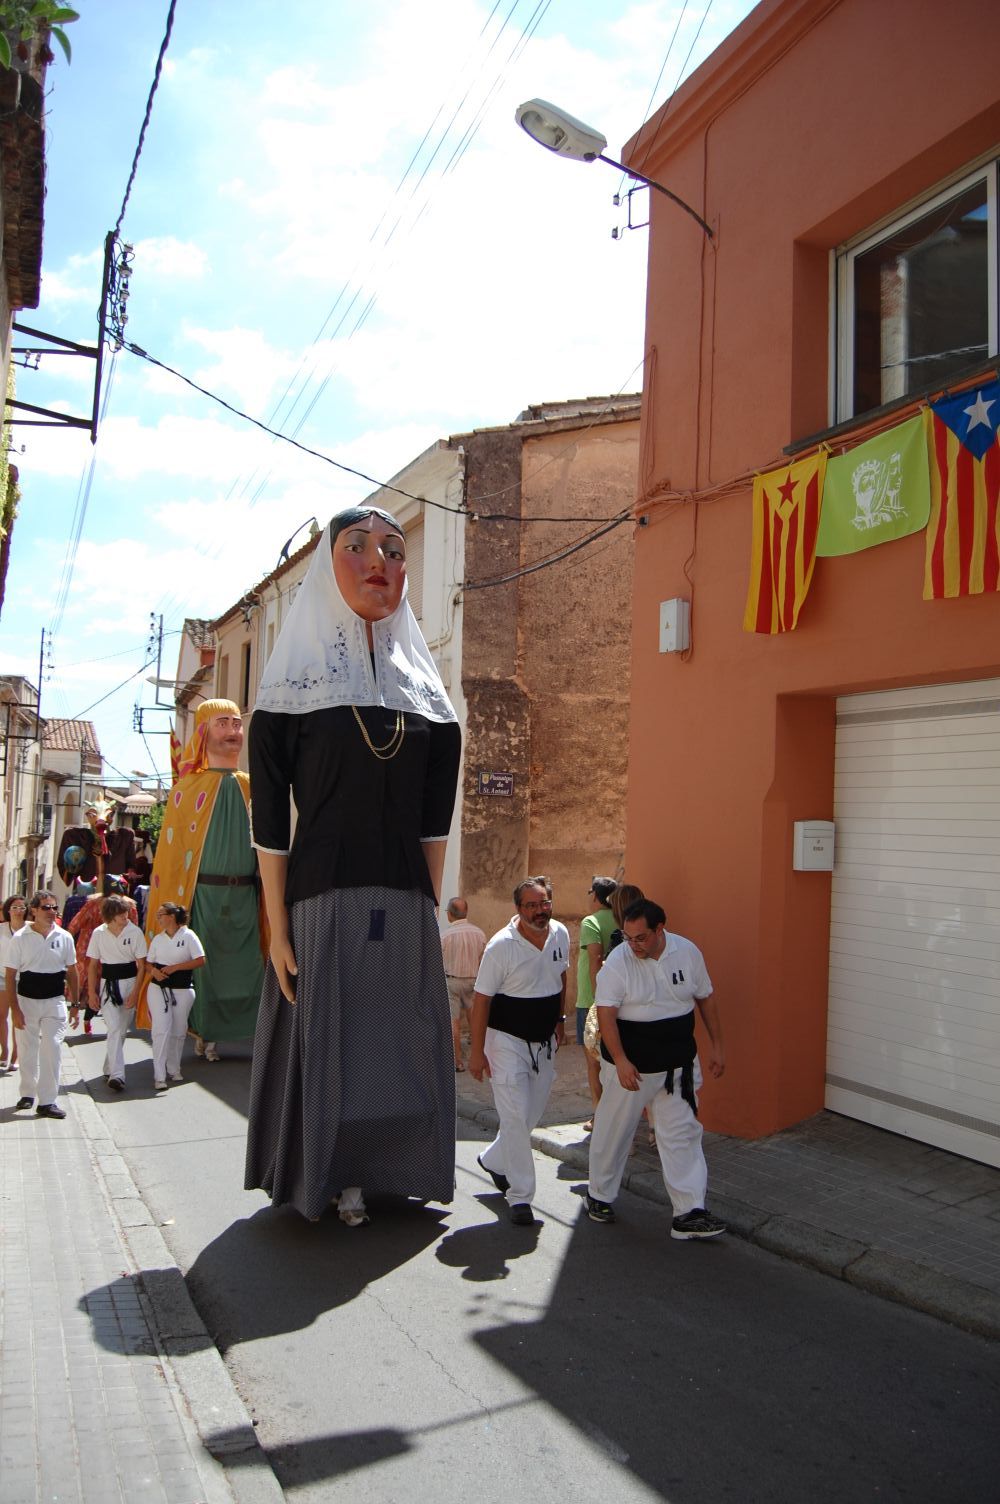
[{"x": 676, "y": 977}]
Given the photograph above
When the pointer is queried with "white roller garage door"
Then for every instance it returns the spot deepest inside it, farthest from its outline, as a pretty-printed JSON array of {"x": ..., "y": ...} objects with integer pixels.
[{"x": 914, "y": 1004}]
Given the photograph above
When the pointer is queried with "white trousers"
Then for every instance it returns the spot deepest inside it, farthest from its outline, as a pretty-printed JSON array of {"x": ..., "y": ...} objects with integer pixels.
[
  {"x": 519, "y": 1094},
  {"x": 117, "y": 1021},
  {"x": 39, "y": 1047},
  {"x": 169, "y": 1027},
  {"x": 678, "y": 1137}
]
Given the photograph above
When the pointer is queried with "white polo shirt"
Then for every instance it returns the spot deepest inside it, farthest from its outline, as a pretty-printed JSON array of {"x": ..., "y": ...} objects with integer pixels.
[
  {"x": 117, "y": 950},
  {"x": 645, "y": 990},
  {"x": 30, "y": 951},
  {"x": 514, "y": 966}
]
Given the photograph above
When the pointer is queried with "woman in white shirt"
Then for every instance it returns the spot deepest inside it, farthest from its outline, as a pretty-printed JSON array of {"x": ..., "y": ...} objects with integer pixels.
[
  {"x": 116, "y": 948},
  {"x": 15, "y": 912},
  {"x": 174, "y": 954}
]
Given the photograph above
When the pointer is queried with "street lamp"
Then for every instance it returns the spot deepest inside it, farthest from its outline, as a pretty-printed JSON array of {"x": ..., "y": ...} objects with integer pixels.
[{"x": 563, "y": 134}]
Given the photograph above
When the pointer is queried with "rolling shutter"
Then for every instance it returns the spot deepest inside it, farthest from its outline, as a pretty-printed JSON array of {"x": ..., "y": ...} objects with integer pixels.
[{"x": 914, "y": 1000}]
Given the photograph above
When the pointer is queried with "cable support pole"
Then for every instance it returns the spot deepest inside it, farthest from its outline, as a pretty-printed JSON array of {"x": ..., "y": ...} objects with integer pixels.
[{"x": 640, "y": 177}]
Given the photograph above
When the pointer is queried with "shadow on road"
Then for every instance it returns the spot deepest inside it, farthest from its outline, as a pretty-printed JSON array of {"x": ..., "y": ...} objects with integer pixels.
[
  {"x": 292, "y": 1271},
  {"x": 715, "y": 1372}
]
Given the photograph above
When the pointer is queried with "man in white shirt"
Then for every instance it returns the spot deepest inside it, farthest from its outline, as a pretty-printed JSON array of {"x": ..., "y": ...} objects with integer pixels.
[
  {"x": 462, "y": 946},
  {"x": 647, "y": 993},
  {"x": 115, "y": 953},
  {"x": 41, "y": 964},
  {"x": 517, "y": 1024}
]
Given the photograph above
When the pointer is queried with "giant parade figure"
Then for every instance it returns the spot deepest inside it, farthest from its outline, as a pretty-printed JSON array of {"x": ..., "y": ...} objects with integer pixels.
[{"x": 204, "y": 862}]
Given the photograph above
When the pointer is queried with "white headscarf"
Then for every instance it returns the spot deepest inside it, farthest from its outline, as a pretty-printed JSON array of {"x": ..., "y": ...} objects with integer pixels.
[{"x": 321, "y": 657}]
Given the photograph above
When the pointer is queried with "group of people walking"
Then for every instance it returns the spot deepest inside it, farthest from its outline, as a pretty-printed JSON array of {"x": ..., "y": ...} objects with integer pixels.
[
  {"x": 42, "y": 991},
  {"x": 647, "y": 991},
  {"x": 357, "y": 1037}
]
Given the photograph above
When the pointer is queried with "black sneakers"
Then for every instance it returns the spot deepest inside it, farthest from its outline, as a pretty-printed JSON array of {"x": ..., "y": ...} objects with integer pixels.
[
  {"x": 600, "y": 1211},
  {"x": 697, "y": 1224},
  {"x": 50, "y": 1110},
  {"x": 521, "y": 1214}
]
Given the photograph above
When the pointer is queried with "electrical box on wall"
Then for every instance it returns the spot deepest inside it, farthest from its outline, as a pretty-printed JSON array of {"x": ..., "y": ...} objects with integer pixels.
[
  {"x": 813, "y": 846},
  {"x": 675, "y": 626}
]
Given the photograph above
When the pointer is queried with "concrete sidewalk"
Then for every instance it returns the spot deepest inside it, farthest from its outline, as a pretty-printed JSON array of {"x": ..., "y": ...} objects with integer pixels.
[
  {"x": 111, "y": 1389},
  {"x": 897, "y": 1218}
]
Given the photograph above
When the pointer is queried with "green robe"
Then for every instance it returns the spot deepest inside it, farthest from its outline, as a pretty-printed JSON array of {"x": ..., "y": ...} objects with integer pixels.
[{"x": 228, "y": 986}]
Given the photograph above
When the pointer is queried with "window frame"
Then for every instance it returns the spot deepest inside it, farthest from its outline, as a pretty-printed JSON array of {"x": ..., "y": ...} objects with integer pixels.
[{"x": 843, "y": 257}]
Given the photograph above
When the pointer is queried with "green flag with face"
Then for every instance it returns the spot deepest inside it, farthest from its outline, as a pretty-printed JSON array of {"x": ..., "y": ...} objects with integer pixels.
[{"x": 876, "y": 492}]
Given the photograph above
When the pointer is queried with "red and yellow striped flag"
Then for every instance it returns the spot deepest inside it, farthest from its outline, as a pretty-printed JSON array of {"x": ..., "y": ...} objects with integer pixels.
[
  {"x": 963, "y": 534},
  {"x": 786, "y": 508}
]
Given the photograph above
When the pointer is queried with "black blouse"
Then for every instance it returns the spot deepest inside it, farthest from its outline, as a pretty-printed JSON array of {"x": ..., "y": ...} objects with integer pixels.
[{"x": 360, "y": 818}]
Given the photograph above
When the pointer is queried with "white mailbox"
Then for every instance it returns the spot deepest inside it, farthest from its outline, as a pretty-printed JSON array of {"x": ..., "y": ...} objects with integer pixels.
[{"x": 813, "y": 847}]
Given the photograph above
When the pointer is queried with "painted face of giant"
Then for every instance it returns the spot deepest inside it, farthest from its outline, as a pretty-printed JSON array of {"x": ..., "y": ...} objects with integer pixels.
[
  {"x": 369, "y": 565},
  {"x": 224, "y": 739}
]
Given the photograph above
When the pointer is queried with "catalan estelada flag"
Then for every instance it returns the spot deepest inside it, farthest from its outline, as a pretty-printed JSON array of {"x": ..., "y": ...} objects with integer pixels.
[
  {"x": 786, "y": 508},
  {"x": 963, "y": 534}
]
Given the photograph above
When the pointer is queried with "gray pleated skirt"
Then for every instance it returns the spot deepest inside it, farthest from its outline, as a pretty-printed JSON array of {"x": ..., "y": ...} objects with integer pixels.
[{"x": 355, "y": 1084}]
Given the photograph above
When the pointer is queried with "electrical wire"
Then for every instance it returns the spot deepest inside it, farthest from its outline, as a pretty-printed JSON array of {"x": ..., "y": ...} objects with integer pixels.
[
  {"x": 300, "y": 382},
  {"x": 381, "y": 485},
  {"x": 677, "y": 83},
  {"x": 149, "y": 110},
  {"x": 654, "y": 91},
  {"x": 142, "y": 667},
  {"x": 122, "y": 653},
  {"x": 80, "y": 514},
  {"x": 519, "y": 574}
]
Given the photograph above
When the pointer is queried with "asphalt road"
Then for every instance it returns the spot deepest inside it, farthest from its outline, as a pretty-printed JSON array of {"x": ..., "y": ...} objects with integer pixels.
[{"x": 442, "y": 1354}]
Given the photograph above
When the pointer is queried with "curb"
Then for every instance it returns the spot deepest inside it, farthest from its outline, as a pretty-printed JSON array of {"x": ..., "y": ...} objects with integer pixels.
[
  {"x": 233, "y": 1466},
  {"x": 883, "y": 1274}
]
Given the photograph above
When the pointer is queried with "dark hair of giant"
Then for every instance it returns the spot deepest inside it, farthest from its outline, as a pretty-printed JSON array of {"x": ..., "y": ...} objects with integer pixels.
[
  {"x": 644, "y": 908},
  {"x": 354, "y": 515}
]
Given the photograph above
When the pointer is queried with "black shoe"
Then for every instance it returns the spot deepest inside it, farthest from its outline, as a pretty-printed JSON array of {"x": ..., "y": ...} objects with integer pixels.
[
  {"x": 521, "y": 1215},
  {"x": 115, "y": 1083},
  {"x": 697, "y": 1224},
  {"x": 600, "y": 1211},
  {"x": 500, "y": 1181},
  {"x": 52, "y": 1110},
  {"x": 23, "y": 1102}
]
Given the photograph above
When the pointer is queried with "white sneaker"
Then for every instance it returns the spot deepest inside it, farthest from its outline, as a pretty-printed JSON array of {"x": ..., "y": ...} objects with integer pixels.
[
  {"x": 159, "y": 1086},
  {"x": 178, "y": 1077},
  {"x": 211, "y": 1053}
]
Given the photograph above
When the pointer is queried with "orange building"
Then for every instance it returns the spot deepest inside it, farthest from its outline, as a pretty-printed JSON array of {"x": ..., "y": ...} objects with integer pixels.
[{"x": 845, "y": 153}]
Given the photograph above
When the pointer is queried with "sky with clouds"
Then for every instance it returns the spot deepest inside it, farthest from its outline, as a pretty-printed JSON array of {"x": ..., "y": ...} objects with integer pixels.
[{"x": 339, "y": 229}]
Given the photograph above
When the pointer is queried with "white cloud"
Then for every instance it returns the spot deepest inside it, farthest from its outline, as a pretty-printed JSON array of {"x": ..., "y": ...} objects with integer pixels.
[
  {"x": 166, "y": 256},
  {"x": 246, "y": 366}
]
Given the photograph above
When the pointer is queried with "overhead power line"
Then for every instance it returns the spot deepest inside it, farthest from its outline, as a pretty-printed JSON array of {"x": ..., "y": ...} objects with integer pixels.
[
  {"x": 371, "y": 480},
  {"x": 149, "y": 110}
]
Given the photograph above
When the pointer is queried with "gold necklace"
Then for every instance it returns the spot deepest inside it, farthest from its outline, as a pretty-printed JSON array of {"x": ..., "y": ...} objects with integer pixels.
[{"x": 392, "y": 746}]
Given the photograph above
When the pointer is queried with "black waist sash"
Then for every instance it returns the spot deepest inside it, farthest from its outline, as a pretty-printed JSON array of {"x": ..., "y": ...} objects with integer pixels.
[
  {"x": 176, "y": 981},
  {"x": 662, "y": 1044},
  {"x": 41, "y": 984},
  {"x": 113, "y": 972},
  {"x": 533, "y": 1019}
]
